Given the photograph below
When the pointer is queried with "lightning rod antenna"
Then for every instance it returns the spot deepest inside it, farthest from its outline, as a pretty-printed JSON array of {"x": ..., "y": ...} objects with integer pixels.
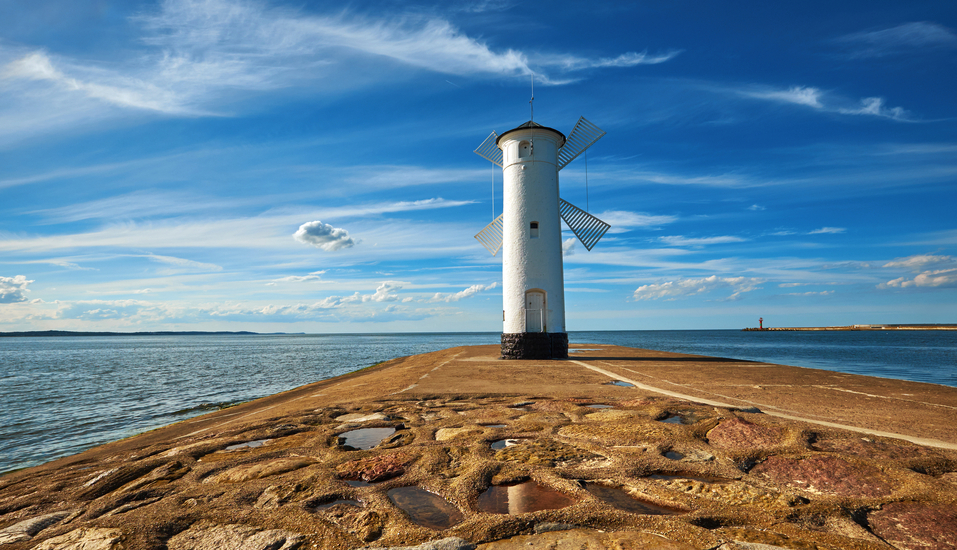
[{"x": 531, "y": 104}]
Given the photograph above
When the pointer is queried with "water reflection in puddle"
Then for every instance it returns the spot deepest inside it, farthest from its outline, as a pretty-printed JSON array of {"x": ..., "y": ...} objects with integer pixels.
[
  {"x": 247, "y": 445},
  {"x": 521, "y": 498},
  {"x": 425, "y": 508},
  {"x": 493, "y": 425},
  {"x": 621, "y": 383},
  {"x": 674, "y": 455},
  {"x": 623, "y": 501},
  {"x": 599, "y": 406},
  {"x": 333, "y": 503},
  {"x": 673, "y": 420},
  {"x": 500, "y": 444},
  {"x": 364, "y": 438},
  {"x": 357, "y": 482},
  {"x": 666, "y": 477}
]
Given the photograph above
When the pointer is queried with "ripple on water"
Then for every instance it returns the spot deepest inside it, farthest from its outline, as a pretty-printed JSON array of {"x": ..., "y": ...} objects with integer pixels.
[
  {"x": 521, "y": 498},
  {"x": 425, "y": 508},
  {"x": 364, "y": 438},
  {"x": 623, "y": 501}
]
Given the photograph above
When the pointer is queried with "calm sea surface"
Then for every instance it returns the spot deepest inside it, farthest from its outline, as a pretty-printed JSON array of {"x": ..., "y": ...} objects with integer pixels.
[{"x": 59, "y": 396}]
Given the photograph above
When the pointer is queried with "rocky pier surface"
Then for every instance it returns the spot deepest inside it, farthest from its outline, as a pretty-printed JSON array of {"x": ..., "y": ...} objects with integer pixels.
[{"x": 612, "y": 448}]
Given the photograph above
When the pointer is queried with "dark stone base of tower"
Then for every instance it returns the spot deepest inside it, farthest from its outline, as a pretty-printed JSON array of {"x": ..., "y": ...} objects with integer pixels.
[{"x": 535, "y": 345}]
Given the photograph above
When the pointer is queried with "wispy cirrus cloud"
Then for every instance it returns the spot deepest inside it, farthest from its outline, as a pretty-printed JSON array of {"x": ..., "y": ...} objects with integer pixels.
[
  {"x": 902, "y": 39},
  {"x": 920, "y": 261},
  {"x": 679, "y": 240},
  {"x": 816, "y": 98},
  {"x": 456, "y": 296},
  {"x": 680, "y": 288},
  {"x": 828, "y": 231}
]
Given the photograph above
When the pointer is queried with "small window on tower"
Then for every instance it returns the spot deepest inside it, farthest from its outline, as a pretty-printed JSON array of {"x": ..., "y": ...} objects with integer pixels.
[
  {"x": 524, "y": 149},
  {"x": 533, "y": 230}
]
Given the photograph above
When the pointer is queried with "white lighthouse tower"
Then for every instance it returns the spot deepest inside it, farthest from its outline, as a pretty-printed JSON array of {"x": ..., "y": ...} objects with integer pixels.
[{"x": 529, "y": 232}]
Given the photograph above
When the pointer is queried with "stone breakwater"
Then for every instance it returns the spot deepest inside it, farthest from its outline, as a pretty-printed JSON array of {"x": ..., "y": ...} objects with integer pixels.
[{"x": 615, "y": 448}]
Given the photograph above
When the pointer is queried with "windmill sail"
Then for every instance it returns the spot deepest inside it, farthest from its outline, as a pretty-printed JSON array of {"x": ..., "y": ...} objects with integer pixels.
[
  {"x": 491, "y": 236},
  {"x": 489, "y": 150},
  {"x": 586, "y": 227},
  {"x": 583, "y": 135}
]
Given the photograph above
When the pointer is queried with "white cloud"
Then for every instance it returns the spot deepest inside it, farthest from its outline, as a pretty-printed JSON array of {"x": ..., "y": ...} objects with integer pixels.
[
  {"x": 821, "y": 293},
  {"x": 901, "y": 39},
  {"x": 630, "y": 59},
  {"x": 470, "y": 291},
  {"x": 314, "y": 276},
  {"x": 324, "y": 236},
  {"x": 828, "y": 230},
  {"x": 756, "y": 208},
  {"x": 568, "y": 246},
  {"x": 13, "y": 289},
  {"x": 875, "y": 106},
  {"x": 384, "y": 293},
  {"x": 678, "y": 240},
  {"x": 690, "y": 287},
  {"x": 800, "y": 95},
  {"x": 946, "y": 278},
  {"x": 621, "y": 220},
  {"x": 919, "y": 261},
  {"x": 184, "y": 263}
]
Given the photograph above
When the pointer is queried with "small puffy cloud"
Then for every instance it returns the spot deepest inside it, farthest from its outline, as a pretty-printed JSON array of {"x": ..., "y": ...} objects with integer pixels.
[
  {"x": 909, "y": 37},
  {"x": 324, "y": 236},
  {"x": 470, "y": 291},
  {"x": 13, "y": 289},
  {"x": 920, "y": 261},
  {"x": 384, "y": 293},
  {"x": 827, "y": 230},
  {"x": 756, "y": 208},
  {"x": 568, "y": 247},
  {"x": 941, "y": 278},
  {"x": 678, "y": 240},
  {"x": 689, "y": 287}
]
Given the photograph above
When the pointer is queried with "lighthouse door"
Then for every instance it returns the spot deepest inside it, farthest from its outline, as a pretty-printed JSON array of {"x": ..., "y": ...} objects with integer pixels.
[{"x": 534, "y": 311}]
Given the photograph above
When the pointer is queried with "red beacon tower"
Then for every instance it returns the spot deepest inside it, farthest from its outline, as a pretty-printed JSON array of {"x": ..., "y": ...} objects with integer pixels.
[{"x": 761, "y": 323}]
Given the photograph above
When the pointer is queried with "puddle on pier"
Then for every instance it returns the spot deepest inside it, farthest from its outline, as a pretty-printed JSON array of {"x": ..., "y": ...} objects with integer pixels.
[
  {"x": 246, "y": 445},
  {"x": 425, "y": 508},
  {"x": 521, "y": 498},
  {"x": 500, "y": 444},
  {"x": 357, "y": 482},
  {"x": 667, "y": 477},
  {"x": 328, "y": 505},
  {"x": 674, "y": 455},
  {"x": 599, "y": 406},
  {"x": 623, "y": 501},
  {"x": 364, "y": 438},
  {"x": 621, "y": 383}
]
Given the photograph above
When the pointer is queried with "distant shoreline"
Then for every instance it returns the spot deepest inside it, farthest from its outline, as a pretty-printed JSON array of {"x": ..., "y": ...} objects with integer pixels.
[
  {"x": 56, "y": 333},
  {"x": 858, "y": 327}
]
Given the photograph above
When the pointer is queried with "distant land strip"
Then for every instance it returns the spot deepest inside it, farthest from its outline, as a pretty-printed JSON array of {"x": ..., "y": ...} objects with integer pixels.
[
  {"x": 862, "y": 327},
  {"x": 48, "y": 333}
]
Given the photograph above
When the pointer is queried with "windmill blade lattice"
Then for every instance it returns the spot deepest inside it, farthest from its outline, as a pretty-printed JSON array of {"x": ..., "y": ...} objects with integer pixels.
[
  {"x": 586, "y": 227},
  {"x": 583, "y": 135},
  {"x": 491, "y": 237},
  {"x": 489, "y": 150}
]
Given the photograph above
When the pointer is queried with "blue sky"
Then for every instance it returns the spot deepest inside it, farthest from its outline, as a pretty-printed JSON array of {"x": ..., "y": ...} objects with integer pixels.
[{"x": 309, "y": 167}]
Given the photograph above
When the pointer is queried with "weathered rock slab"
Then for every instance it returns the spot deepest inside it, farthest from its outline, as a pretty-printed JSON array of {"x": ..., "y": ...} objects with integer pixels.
[
  {"x": 26, "y": 529},
  {"x": 916, "y": 526},
  {"x": 86, "y": 538},
  {"x": 207, "y": 536}
]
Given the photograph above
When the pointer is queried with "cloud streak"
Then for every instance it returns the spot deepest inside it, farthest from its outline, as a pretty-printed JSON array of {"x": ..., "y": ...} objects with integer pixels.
[{"x": 683, "y": 288}]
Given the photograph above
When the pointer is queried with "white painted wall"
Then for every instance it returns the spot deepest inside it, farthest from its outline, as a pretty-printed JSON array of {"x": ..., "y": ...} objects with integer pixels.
[{"x": 531, "y": 194}]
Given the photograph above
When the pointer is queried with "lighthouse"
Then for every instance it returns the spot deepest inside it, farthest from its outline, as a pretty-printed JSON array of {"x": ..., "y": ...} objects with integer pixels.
[{"x": 529, "y": 233}]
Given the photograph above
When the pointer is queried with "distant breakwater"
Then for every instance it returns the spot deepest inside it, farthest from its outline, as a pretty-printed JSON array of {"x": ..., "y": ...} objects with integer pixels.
[{"x": 858, "y": 327}]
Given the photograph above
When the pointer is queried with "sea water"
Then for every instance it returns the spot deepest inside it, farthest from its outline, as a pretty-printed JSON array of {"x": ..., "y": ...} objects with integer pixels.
[{"x": 61, "y": 395}]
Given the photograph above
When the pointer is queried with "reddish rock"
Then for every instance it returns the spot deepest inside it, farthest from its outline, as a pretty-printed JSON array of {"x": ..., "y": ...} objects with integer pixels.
[
  {"x": 735, "y": 433},
  {"x": 869, "y": 448},
  {"x": 916, "y": 526},
  {"x": 376, "y": 468},
  {"x": 827, "y": 475}
]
